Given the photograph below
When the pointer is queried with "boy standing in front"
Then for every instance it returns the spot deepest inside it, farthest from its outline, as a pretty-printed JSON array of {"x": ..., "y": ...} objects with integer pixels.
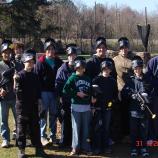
[
  {"x": 78, "y": 87},
  {"x": 109, "y": 92},
  {"x": 137, "y": 113},
  {"x": 27, "y": 98}
]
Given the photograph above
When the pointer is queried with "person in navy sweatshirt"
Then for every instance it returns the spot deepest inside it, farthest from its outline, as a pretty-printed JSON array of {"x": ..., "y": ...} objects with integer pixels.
[
  {"x": 46, "y": 69},
  {"x": 63, "y": 73},
  {"x": 152, "y": 75},
  {"x": 137, "y": 114}
]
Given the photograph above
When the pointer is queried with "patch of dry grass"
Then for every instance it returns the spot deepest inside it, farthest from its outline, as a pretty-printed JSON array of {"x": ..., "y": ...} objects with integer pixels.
[{"x": 120, "y": 150}]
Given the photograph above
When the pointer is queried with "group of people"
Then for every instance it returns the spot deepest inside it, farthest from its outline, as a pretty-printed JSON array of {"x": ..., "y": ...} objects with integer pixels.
[{"x": 94, "y": 100}]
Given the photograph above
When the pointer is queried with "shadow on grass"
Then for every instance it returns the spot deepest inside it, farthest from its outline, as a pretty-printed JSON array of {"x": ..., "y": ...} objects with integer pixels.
[
  {"x": 49, "y": 156},
  {"x": 53, "y": 151},
  {"x": 119, "y": 151}
]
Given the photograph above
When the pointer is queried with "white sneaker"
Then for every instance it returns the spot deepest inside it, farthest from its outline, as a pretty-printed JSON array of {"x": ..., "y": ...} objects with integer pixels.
[
  {"x": 5, "y": 144},
  {"x": 14, "y": 136},
  {"x": 44, "y": 141},
  {"x": 144, "y": 152}
]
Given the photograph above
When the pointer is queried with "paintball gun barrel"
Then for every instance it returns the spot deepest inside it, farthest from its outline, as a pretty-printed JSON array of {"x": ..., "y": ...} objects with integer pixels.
[{"x": 143, "y": 98}]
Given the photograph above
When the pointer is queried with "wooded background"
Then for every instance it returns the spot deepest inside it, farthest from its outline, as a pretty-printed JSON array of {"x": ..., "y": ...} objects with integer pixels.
[{"x": 31, "y": 20}]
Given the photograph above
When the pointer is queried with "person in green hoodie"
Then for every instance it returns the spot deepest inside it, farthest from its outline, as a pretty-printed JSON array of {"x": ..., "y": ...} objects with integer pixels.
[{"x": 78, "y": 86}]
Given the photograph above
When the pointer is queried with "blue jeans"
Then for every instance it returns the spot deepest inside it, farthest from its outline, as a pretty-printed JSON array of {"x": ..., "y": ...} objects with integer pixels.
[
  {"x": 4, "y": 114},
  {"x": 80, "y": 126},
  {"x": 49, "y": 104}
]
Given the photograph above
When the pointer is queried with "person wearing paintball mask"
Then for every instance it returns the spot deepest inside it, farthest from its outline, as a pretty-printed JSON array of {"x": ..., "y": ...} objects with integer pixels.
[
  {"x": 104, "y": 104},
  {"x": 28, "y": 96},
  {"x": 7, "y": 96},
  {"x": 19, "y": 65},
  {"x": 93, "y": 64},
  {"x": 78, "y": 87},
  {"x": 123, "y": 65},
  {"x": 138, "y": 114},
  {"x": 63, "y": 73},
  {"x": 46, "y": 68}
]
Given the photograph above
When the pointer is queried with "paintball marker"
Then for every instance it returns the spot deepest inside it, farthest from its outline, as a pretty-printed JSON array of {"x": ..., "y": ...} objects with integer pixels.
[
  {"x": 7, "y": 77},
  {"x": 96, "y": 90},
  {"x": 143, "y": 99}
]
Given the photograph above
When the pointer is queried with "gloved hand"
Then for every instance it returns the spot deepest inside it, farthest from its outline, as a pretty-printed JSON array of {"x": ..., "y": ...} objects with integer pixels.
[
  {"x": 134, "y": 96},
  {"x": 142, "y": 107}
]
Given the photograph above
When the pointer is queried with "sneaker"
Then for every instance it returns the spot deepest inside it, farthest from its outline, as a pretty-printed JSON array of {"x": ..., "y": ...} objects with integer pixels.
[
  {"x": 144, "y": 152},
  {"x": 134, "y": 153},
  {"x": 21, "y": 153},
  {"x": 41, "y": 153},
  {"x": 44, "y": 141},
  {"x": 5, "y": 144},
  {"x": 73, "y": 153},
  {"x": 14, "y": 136}
]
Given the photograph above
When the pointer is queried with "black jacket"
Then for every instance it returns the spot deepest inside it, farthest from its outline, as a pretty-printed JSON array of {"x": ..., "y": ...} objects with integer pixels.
[
  {"x": 152, "y": 74},
  {"x": 134, "y": 86},
  {"x": 93, "y": 67},
  {"x": 109, "y": 90},
  {"x": 63, "y": 73},
  {"x": 47, "y": 74},
  {"x": 27, "y": 93}
]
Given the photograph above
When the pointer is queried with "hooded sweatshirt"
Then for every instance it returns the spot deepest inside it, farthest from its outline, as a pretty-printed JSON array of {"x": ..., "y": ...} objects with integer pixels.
[{"x": 76, "y": 84}]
